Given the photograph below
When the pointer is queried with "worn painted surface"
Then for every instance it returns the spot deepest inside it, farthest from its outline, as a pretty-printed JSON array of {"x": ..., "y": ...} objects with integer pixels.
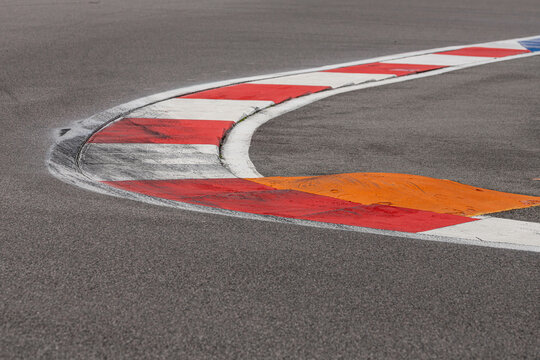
[
  {"x": 148, "y": 161},
  {"x": 163, "y": 131}
]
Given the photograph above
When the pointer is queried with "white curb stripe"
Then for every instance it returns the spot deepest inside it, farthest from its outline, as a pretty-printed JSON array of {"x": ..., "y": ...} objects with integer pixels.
[
  {"x": 508, "y": 44},
  {"x": 331, "y": 79},
  {"x": 117, "y": 162},
  {"x": 494, "y": 230},
  {"x": 201, "y": 109},
  {"x": 439, "y": 59},
  {"x": 125, "y": 172}
]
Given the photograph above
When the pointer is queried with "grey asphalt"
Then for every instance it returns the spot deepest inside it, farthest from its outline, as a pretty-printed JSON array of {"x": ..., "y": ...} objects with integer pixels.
[{"x": 84, "y": 275}]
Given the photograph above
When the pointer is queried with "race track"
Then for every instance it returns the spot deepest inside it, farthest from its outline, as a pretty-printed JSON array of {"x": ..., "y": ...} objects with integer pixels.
[{"x": 86, "y": 275}]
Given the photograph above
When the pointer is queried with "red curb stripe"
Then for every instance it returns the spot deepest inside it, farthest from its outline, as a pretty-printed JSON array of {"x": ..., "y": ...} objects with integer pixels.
[
  {"x": 246, "y": 196},
  {"x": 180, "y": 190},
  {"x": 386, "y": 68},
  {"x": 269, "y": 92},
  {"x": 163, "y": 131},
  {"x": 482, "y": 51},
  {"x": 283, "y": 203},
  {"x": 389, "y": 218}
]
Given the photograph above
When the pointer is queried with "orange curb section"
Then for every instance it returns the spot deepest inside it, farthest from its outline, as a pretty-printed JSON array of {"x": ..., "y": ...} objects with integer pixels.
[{"x": 403, "y": 190}]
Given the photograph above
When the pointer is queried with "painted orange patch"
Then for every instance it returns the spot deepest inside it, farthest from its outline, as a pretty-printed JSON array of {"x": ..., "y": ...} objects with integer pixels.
[{"x": 408, "y": 191}]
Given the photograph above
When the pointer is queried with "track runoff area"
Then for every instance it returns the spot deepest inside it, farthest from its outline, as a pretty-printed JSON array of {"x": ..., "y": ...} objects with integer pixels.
[{"x": 188, "y": 148}]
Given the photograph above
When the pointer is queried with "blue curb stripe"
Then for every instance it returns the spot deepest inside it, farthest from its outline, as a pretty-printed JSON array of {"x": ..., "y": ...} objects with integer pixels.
[{"x": 531, "y": 45}]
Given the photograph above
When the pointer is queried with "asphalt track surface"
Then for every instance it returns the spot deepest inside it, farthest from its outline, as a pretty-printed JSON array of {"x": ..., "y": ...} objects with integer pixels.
[{"x": 84, "y": 275}]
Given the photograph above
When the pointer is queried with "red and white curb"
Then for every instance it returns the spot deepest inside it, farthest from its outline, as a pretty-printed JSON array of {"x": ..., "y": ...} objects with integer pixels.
[{"x": 188, "y": 148}]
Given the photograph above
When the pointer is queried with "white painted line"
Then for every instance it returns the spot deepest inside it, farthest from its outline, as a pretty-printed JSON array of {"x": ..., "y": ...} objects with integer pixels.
[
  {"x": 508, "y": 44},
  {"x": 331, "y": 79},
  {"x": 439, "y": 59},
  {"x": 491, "y": 229},
  {"x": 201, "y": 109}
]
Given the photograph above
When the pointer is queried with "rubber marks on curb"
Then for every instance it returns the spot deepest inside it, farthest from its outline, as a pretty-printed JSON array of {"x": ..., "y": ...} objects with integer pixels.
[
  {"x": 252, "y": 197},
  {"x": 170, "y": 150},
  {"x": 163, "y": 131}
]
